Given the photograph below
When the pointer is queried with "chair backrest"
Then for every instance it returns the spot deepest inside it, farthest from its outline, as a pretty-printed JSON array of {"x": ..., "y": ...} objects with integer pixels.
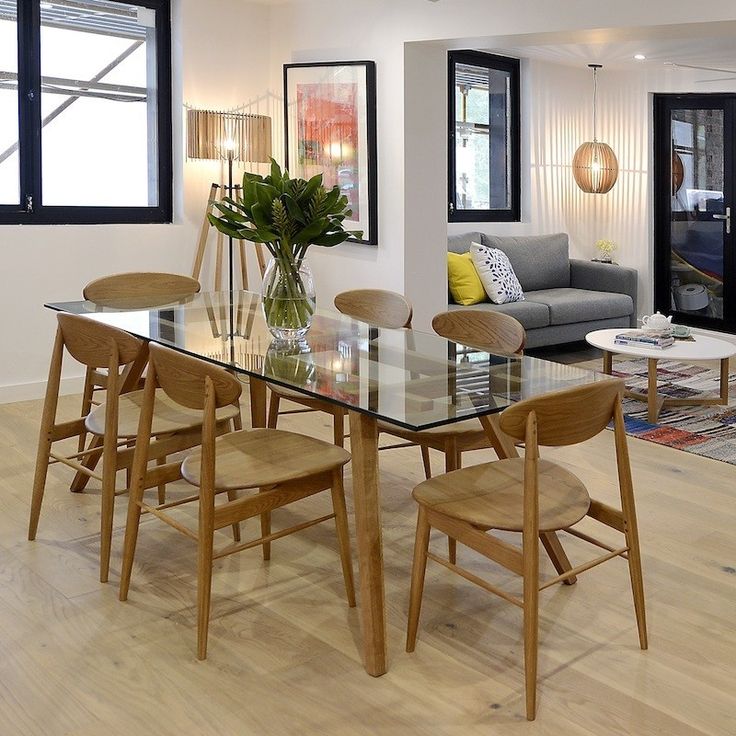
[
  {"x": 492, "y": 332},
  {"x": 377, "y": 306},
  {"x": 183, "y": 378},
  {"x": 145, "y": 288},
  {"x": 566, "y": 417},
  {"x": 92, "y": 342}
]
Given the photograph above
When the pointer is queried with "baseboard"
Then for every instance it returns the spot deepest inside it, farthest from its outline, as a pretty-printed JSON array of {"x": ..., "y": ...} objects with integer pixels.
[{"x": 37, "y": 390}]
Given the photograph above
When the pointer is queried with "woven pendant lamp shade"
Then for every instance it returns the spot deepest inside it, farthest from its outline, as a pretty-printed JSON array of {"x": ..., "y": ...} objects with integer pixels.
[{"x": 595, "y": 167}]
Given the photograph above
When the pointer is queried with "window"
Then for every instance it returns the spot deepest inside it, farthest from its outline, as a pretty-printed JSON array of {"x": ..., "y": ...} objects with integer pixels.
[
  {"x": 85, "y": 111},
  {"x": 484, "y": 159}
]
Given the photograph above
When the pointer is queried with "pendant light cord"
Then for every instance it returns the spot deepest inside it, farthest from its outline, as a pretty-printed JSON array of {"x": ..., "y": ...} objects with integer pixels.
[{"x": 595, "y": 97}]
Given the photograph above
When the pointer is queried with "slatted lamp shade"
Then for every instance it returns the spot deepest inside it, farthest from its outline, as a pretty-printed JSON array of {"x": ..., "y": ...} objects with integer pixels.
[
  {"x": 221, "y": 135},
  {"x": 595, "y": 166}
]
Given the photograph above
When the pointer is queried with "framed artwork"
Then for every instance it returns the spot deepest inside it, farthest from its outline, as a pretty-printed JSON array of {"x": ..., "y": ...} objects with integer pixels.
[{"x": 330, "y": 128}]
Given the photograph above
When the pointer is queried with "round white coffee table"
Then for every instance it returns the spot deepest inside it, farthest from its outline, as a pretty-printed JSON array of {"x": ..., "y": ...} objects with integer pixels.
[{"x": 701, "y": 348}]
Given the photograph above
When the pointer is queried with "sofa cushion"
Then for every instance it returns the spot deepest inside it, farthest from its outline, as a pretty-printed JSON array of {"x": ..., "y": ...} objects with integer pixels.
[
  {"x": 580, "y": 305},
  {"x": 465, "y": 285},
  {"x": 461, "y": 243},
  {"x": 496, "y": 274},
  {"x": 539, "y": 261},
  {"x": 529, "y": 314}
]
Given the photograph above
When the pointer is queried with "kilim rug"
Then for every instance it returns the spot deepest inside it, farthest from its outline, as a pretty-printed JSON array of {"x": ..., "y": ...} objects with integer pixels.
[{"x": 709, "y": 431}]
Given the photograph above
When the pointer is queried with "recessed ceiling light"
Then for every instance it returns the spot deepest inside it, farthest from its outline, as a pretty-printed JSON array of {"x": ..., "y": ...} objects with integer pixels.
[{"x": 640, "y": 57}]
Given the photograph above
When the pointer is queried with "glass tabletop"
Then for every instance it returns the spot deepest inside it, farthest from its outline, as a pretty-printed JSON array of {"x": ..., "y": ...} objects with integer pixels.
[{"x": 405, "y": 377}]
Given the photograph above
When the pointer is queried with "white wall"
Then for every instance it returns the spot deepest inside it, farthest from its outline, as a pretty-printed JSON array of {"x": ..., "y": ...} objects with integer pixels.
[
  {"x": 231, "y": 51},
  {"x": 52, "y": 263},
  {"x": 412, "y": 142}
]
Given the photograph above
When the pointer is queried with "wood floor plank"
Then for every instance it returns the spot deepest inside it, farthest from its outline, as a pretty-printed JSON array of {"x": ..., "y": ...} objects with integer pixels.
[{"x": 285, "y": 649}]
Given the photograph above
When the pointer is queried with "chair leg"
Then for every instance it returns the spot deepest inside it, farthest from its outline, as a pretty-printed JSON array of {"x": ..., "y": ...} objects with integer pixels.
[
  {"x": 161, "y": 489},
  {"x": 343, "y": 534},
  {"x": 204, "y": 590},
  {"x": 39, "y": 483},
  {"x": 426, "y": 462},
  {"x": 419, "y": 567},
  {"x": 338, "y": 428},
  {"x": 135, "y": 496},
  {"x": 86, "y": 405},
  {"x": 266, "y": 529},
  {"x": 451, "y": 456},
  {"x": 531, "y": 622},
  {"x": 637, "y": 578},
  {"x": 107, "y": 510},
  {"x": 233, "y": 496},
  {"x": 273, "y": 410}
]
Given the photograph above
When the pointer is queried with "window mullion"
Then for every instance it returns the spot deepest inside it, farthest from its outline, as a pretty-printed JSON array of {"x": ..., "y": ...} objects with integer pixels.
[{"x": 29, "y": 104}]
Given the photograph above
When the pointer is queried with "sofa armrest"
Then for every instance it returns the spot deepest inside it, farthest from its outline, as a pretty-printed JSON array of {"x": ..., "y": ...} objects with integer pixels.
[{"x": 605, "y": 277}]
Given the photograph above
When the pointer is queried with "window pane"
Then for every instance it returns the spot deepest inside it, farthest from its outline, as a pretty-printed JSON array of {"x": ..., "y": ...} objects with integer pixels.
[
  {"x": 9, "y": 166},
  {"x": 482, "y": 138},
  {"x": 98, "y": 104}
]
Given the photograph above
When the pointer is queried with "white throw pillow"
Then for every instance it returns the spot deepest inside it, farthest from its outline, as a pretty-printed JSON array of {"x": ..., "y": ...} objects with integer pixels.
[{"x": 496, "y": 274}]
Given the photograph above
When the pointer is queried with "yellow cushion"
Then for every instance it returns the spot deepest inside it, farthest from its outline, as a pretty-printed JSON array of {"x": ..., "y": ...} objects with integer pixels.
[{"x": 465, "y": 284}]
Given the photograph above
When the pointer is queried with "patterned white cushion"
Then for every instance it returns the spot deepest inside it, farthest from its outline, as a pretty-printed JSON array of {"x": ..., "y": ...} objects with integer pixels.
[{"x": 496, "y": 274}]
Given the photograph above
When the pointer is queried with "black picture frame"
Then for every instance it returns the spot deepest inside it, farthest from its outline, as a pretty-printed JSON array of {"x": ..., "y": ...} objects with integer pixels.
[{"x": 362, "y": 73}]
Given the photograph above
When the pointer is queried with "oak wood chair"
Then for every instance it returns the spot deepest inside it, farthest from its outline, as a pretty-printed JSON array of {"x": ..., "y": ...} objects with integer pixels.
[
  {"x": 491, "y": 332},
  {"x": 378, "y": 307},
  {"x": 115, "y": 422},
  {"x": 277, "y": 467},
  {"x": 130, "y": 290},
  {"x": 530, "y": 495}
]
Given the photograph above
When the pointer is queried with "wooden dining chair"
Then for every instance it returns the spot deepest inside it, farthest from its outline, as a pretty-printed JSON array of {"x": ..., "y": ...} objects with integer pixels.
[
  {"x": 278, "y": 468},
  {"x": 96, "y": 345},
  {"x": 130, "y": 290},
  {"x": 491, "y": 332},
  {"x": 532, "y": 495},
  {"x": 377, "y": 307}
]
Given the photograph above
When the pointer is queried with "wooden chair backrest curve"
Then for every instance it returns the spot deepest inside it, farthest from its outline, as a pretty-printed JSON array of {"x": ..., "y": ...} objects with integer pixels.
[
  {"x": 139, "y": 289},
  {"x": 378, "y": 307},
  {"x": 565, "y": 417},
  {"x": 182, "y": 377},
  {"x": 91, "y": 342},
  {"x": 492, "y": 332}
]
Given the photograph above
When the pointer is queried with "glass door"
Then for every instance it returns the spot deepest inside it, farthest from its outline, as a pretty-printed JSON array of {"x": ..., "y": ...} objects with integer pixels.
[{"x": 694, "y": 188}]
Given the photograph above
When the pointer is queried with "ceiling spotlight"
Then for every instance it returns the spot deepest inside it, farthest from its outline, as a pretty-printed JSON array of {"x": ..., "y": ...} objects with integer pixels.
[{"x": 640, "y": 57}]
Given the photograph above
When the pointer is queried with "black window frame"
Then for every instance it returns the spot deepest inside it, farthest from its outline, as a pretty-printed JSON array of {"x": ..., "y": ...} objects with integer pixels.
[
  {"x": 29, "y": 120},
  {"x": 497, "y": 63}
]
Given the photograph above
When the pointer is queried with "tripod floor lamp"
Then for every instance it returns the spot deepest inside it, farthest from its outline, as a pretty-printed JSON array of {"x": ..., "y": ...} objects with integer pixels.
[{"x": 226, "y": 136}]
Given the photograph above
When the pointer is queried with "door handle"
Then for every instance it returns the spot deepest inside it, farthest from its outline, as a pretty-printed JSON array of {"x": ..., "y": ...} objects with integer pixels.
[{"x": 727, "y": 218}]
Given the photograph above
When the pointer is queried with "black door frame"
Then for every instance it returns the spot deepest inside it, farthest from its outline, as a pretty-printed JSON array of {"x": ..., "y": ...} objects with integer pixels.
[{"x": 663, "y": 106}]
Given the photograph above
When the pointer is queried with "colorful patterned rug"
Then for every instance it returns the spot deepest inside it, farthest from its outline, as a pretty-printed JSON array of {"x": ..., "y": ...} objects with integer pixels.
[{"x": 709, "y": 431}]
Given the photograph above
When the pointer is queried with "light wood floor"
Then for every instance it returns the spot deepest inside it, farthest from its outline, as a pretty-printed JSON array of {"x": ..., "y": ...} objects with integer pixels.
[{"x": 283, "y": 657}]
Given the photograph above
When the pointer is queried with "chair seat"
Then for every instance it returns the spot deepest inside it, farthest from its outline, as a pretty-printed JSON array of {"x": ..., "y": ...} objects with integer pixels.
[
  {"x": 491, "y": 495},
  {"x": 168, "y": 416},
  {"x": 254, "y": 458},
  {"x": 466, "y": 427}
]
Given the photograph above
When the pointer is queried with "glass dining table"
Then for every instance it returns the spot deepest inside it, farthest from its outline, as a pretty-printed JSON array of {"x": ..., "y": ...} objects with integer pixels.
[{"x": 404, "y": 377}]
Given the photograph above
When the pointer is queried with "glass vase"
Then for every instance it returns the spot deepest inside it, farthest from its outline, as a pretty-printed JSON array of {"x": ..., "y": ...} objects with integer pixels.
[{"x": 288, "y": 298}]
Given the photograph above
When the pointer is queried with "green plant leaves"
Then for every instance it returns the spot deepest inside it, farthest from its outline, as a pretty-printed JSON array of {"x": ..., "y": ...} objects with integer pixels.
[{"x": 285, "y": 213}]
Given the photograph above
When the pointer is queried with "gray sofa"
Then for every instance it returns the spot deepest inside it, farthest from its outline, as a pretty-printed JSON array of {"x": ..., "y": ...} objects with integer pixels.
[{"x": 564, "y": 298}]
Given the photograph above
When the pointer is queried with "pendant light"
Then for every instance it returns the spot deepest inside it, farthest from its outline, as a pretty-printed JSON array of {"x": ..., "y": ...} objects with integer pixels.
[{"x": 595, "y": 166}]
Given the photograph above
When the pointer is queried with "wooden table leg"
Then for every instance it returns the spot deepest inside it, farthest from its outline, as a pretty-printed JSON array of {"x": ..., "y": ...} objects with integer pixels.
[
  {"x": 652, "y": 404},
  {"x": 257, "y": 402},
  {"x": 364, "y": 448},
  {"x": 607, "y": 362},
  {"x": 724, "y": 380},
  {"x": 505, "y": 448}
]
